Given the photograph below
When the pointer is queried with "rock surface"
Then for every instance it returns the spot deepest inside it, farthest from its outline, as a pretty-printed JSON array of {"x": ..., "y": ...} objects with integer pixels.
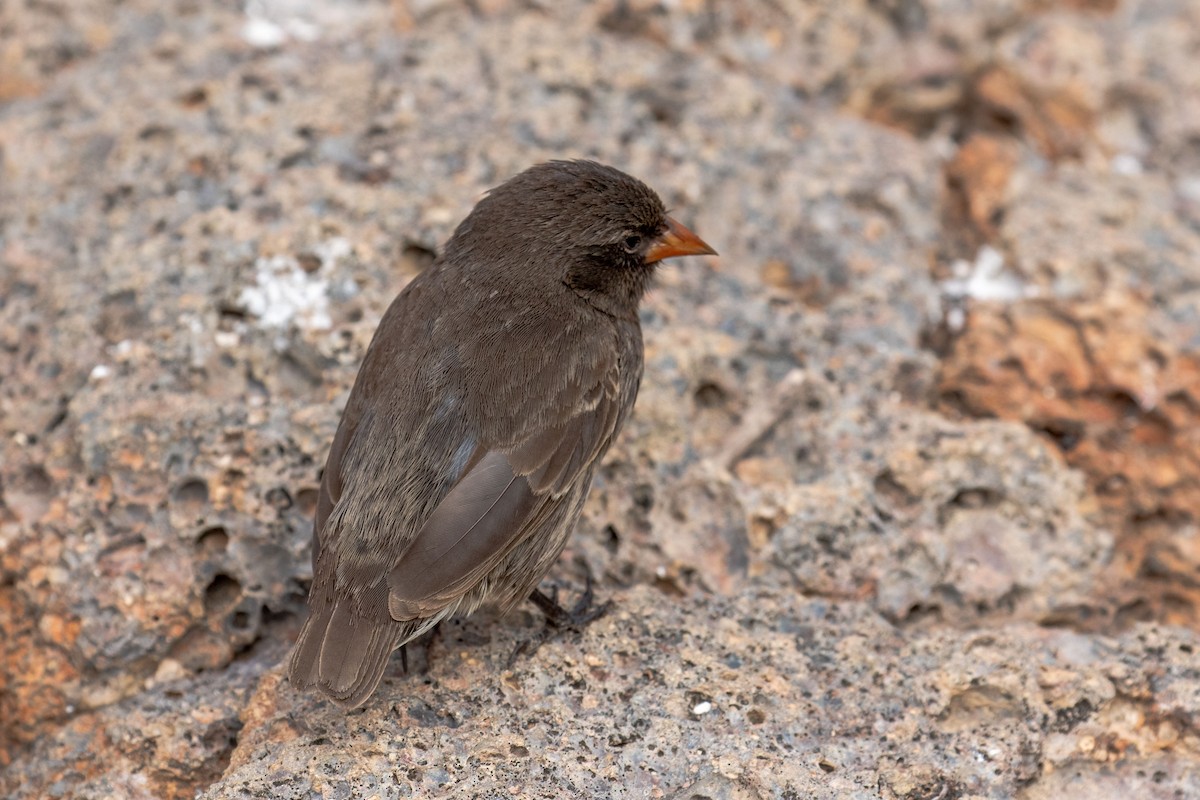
[{"x": 907, "y": 508}]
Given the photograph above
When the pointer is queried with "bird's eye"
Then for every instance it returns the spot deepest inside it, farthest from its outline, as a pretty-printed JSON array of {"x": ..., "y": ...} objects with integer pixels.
[{"x": 633, "y": 242}]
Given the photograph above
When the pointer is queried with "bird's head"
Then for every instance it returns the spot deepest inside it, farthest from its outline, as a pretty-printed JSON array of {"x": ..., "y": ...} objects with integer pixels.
[{"x": 591, "y": 227}]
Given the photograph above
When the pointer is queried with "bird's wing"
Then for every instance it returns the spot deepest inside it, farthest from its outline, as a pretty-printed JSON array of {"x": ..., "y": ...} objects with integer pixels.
[{"x": 508, "y": 494}]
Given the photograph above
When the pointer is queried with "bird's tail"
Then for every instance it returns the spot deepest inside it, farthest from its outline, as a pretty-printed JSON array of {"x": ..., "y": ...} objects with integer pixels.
[{"x": 344, "y": 654}]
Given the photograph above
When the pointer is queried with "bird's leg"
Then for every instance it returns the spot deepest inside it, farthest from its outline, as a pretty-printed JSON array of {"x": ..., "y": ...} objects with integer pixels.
[
  {"x": 559, "y": 619},
  {"x": 426, "y": 638},
  {"x": 540, "y": 599},
  {"x": 435, "y": 633}
]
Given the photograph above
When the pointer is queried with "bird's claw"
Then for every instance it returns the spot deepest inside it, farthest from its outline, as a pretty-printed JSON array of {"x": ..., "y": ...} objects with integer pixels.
[{"x": 559, "y": 619}]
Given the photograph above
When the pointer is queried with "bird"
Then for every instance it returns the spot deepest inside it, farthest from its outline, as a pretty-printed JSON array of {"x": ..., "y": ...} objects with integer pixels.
[{"x": 494, "y": 384}]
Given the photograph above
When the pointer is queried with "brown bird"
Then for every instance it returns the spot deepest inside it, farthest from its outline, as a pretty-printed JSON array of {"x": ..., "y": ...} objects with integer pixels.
[{"x": 495, "y": 383}]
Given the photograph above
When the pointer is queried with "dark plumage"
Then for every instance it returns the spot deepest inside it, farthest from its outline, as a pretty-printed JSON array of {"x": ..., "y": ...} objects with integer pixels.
[{"x": 495, "y": 383}]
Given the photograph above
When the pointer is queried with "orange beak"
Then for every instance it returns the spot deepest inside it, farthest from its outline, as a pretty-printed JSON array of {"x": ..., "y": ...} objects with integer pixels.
[{"x": 677, "y": 240}]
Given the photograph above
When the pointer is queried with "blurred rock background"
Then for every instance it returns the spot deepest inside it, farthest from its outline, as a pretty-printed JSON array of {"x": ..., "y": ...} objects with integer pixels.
[{"x": 907, "y": 508}]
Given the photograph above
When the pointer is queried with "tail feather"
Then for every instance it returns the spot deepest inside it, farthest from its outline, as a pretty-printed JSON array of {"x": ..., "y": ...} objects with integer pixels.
[{"x": 344, "y": 654}]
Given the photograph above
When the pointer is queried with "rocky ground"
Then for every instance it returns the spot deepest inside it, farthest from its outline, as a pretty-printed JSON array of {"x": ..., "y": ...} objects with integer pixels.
[{"x": 907, "y": 508}]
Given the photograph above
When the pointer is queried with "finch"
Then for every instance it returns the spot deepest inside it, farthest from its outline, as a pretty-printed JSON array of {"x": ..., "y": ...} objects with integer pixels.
[{"x": 494, "y": 385}]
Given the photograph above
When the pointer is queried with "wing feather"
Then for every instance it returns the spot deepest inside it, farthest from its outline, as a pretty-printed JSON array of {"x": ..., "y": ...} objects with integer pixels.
[
  {"x": 471, "y": 527},
  {"x": 496, "y": 505}
]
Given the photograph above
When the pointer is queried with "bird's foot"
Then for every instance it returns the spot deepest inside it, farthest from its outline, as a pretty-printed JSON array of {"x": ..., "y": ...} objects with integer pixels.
[
  {"x": 584, "y": 611},
  {"x": 559, "y": 619}
]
